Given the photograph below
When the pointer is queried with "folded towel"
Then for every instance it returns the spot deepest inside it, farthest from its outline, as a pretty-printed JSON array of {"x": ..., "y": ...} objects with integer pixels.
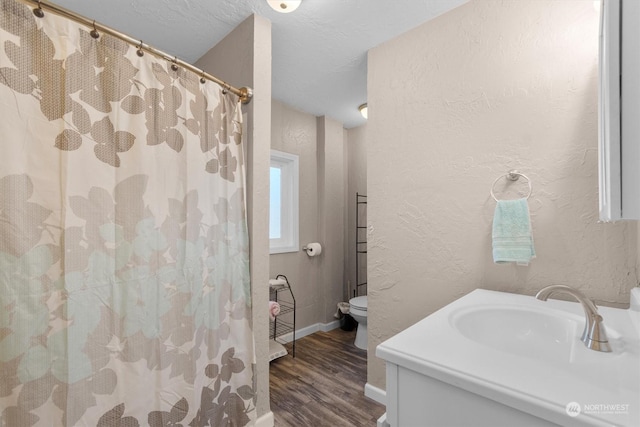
[
  {"x": 512, "y": 237},
  {"x": 274, "y": 309},
  {"x": 277, "y": 282}
]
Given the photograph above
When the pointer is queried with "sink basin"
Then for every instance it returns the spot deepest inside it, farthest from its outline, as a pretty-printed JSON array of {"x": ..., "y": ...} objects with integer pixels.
[
  {"x": 527, "y": 355},
  {"x": 521, "y": 331}
]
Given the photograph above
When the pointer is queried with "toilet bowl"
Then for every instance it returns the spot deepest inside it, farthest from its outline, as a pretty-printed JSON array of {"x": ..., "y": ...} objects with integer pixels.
[{"x": 358, "y": 310}]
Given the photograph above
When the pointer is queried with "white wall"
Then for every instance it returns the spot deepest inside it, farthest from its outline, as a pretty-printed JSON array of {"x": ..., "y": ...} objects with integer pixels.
[
  {"x": 243, "y": 58},
  {"x": 453, "y": 104},
  {"x": 295, "y": 132},
  {"x": 331, "y": 218},
  {"x": 356, "y": 183},
  {"x": 317, "y": 282}
]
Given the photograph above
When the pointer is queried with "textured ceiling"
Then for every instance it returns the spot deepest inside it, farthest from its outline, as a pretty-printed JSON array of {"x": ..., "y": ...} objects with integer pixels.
[{"x": 319, "y": 50}]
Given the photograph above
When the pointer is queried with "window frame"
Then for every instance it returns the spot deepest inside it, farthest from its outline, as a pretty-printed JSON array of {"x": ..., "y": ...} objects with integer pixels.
[{"x": 289, "y": 207}]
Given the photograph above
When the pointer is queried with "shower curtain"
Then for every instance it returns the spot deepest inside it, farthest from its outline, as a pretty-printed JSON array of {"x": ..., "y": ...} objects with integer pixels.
[{"x": 124, "y": 278}]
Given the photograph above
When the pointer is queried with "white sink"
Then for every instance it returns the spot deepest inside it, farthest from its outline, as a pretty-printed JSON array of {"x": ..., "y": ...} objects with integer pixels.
[
  {"x": 520, "y": 330},
  {"x": 526, "y": 354}
]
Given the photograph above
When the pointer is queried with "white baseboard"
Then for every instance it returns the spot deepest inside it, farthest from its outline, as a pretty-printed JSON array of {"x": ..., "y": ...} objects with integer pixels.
[
  {"x": 266, "y": 420},
  {"x": 382, "y": 421},
  {"x": 303, "y": 332},
  {"x": 326, "y": 327},
  {"x": 375, "y": 393}
]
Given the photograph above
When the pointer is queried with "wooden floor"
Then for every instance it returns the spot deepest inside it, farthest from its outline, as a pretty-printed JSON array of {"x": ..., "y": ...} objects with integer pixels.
[{"x": 323, "y": 385}]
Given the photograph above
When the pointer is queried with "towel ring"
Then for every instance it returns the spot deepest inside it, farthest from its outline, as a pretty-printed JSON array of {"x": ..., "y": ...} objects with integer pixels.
[{"x": 512, "y": 175}]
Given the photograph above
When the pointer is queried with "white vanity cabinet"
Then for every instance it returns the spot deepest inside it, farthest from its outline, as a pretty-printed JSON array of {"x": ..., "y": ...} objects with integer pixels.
[
  {"x": 619, "y": 110},
  {"x": 418, "y": 400}
]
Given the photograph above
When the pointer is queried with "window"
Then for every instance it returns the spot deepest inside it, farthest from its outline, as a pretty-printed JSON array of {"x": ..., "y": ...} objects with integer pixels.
[{"x": 283, "y": 205}]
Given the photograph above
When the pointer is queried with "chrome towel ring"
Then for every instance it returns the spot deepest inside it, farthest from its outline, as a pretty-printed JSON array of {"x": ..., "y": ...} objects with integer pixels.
[{"x": 512, "y": 175}]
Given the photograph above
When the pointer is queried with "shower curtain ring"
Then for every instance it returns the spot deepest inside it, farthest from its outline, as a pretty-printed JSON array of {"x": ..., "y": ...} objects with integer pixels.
[
  {"x": 202, "y": 79},
  {"x": 140, "y": 52},
  {"x": 174, "y": 65},
  {"x": 94, "y": 33},
  {"x": 39, "y": 12},
  {"x": 225, "y": 89}
]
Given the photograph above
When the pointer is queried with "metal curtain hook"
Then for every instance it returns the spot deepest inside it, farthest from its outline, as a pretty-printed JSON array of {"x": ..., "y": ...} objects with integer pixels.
[
  {"x": 174, "y": 65},
  {"x": 202, "y": 79},
  {"x": 94, "y": 33},
  {"x": 39, "y": 12},
  {"x": 140, "y": 52}
]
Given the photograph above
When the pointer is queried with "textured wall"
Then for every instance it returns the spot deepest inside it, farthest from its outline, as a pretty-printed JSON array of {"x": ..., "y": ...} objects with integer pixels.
[
  {"x": 243, "y": 58},
  {"x": 453, "y": 104},
  {"x": 356, "y": 183},
  {"x": 331, "y": 218},
  {"x": 319, "y": 142},
  {"x": 295, "y": 132}
]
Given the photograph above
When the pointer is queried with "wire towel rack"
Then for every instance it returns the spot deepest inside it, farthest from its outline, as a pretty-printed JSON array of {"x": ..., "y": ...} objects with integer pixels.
[{"x": 512, "y": 175}]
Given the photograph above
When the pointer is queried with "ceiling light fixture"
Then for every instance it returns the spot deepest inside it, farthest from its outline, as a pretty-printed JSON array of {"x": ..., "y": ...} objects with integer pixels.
[
  {"x": 284, "y": 6},
  {"x": 363, "y": 110}
]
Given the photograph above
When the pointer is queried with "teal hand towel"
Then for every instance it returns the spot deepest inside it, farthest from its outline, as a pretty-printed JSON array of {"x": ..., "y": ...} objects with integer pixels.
[{"x": 512, "y": 236}]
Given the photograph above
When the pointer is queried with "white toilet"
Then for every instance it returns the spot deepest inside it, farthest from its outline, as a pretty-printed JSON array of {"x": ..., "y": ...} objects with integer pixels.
[{"x": 358, "y": 310}]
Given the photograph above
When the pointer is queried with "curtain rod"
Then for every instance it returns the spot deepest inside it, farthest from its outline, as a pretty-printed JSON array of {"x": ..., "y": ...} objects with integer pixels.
[{"x": 245, "y": 93}]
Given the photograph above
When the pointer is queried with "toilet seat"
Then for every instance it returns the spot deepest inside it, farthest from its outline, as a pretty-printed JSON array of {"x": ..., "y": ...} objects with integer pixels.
[{"x": 358, "y": 303}]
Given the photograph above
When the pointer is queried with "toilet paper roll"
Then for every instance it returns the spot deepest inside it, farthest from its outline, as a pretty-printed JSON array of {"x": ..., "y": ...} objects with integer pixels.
[{"x": 313, "y": 249}]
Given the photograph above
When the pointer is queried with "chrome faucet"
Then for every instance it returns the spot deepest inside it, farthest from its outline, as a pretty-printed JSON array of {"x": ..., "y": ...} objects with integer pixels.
[{"x": 594, "y": 335}]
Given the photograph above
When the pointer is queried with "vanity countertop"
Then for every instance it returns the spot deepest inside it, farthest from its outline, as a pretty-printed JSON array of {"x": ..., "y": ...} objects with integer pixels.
[{"x": 540, "y": 380}]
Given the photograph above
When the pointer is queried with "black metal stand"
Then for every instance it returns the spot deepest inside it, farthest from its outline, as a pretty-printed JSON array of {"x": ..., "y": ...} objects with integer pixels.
[
  {"x": 361, "y": 242},
  {"x": 285, "y": 322}
]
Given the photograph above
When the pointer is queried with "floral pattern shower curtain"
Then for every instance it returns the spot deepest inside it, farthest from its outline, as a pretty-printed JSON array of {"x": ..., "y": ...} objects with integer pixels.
[{"x": 124, "y": 278}]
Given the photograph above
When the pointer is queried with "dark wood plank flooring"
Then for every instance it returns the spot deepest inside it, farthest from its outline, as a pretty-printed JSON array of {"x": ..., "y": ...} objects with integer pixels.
[{"x": 323, "y": 385}]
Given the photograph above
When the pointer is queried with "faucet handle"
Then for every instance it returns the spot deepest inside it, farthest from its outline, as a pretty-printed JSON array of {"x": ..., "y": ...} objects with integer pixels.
[{"x": 596, "y": 337}]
